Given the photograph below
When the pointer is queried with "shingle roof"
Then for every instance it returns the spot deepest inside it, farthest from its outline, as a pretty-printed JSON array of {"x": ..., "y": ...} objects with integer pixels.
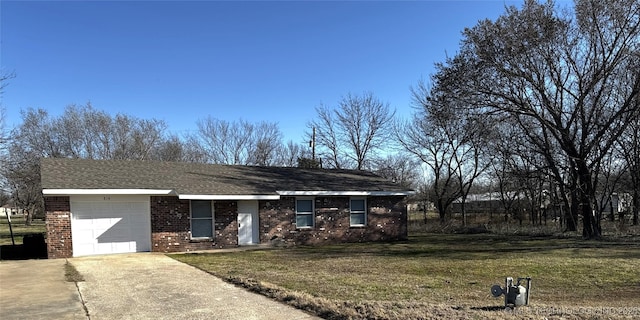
[{"x": 203, "y": 179}]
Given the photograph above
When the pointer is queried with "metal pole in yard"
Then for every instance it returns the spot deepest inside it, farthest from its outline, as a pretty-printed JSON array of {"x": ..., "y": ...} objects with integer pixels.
[{"x": 13, "y": 242}]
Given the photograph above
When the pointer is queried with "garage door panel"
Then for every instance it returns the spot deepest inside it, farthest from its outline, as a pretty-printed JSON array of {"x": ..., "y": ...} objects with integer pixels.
[
  {"x": 103, "y": 227},
  {"x": 117, "y": 231}
]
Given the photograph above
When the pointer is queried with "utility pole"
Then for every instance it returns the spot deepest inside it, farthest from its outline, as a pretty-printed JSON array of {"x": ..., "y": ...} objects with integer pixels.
[{"x": 312, "y": 144}]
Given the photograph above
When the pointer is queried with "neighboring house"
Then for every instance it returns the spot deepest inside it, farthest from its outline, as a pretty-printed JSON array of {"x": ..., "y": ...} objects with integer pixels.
[
  {"x": 115, "y": 206},
  {"x": 615, "y": 203},
  {"x": 9, "y": 209},
  {"x": 492, "y": 202},
  {"x": 480, "y": 203},
  {"x": 416, "y": 204}
]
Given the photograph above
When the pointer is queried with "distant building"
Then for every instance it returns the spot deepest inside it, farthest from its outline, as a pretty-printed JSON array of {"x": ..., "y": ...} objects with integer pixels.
[
  {"x": 490, "y": 202},
  {"x": 9, "y": 209}
]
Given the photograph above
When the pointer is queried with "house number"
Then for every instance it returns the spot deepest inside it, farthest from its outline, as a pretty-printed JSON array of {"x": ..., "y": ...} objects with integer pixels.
[{"x": 107, "y": 198}]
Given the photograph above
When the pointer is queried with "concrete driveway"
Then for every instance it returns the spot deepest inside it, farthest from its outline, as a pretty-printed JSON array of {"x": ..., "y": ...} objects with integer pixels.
[
  {"x": 37, "y": 289},
  {"x": 154, "y": 286},
  {"x": 128, "y": 286}
]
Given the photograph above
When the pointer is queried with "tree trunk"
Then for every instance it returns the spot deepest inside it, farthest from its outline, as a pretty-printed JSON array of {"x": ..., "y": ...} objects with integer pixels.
[
  {"x": 587, "y": 197},
  {"x": 441, "y": 211},
  {"x": 425, "y": 215},
  {"x": 463, "y": 210},
  {"x": 612, "y": 216},
  {"x": 573, "y": 214},
  {"x": 28, "y": 217},
  {"x": 636, "y": 206}
]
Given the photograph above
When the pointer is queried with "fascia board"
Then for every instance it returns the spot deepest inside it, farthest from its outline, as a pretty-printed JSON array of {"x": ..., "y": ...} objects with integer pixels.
[
  {"x": 64, "y": 192},
  {"x": 228, "y": 197},
  {"x": 345, "y": 193}
]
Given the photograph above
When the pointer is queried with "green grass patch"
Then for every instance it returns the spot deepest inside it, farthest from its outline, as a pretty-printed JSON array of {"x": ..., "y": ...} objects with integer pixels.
[
  {"x": 442, "y": 273},
  {"x": 19, "y": 229},
  {"x": 71, "y": 274}
]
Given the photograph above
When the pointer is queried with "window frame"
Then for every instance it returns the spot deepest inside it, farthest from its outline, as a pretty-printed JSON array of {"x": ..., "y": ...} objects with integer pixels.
[
  {"x": 358, "y": 212},
  {"x": 312, "y": 213},
  {"x": 211, "y": 217}
]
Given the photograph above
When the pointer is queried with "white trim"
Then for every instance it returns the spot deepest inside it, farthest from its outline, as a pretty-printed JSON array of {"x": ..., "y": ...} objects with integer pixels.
[
  {"x": 345, "y": 193},
  {"x": 53, "y": 192},
  {"x": 228, "y": 197}
]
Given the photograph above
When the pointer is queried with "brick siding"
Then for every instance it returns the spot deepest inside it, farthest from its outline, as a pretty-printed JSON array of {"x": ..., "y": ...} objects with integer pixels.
[
  {"x": 58, "y": 224},
  {"x": 386, "y": 221},
  {"x": 170, "y": 226}
]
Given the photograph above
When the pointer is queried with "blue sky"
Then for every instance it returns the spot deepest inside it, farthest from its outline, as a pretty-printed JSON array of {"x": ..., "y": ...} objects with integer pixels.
[{"x": 183, "y": 61}]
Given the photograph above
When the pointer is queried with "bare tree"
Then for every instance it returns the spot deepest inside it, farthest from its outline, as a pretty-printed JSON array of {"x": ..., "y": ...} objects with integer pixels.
[
  {"x": 21, "y": 169},
  {"x": 629, "y": 147},
  {"x": 609, "y": 179},
  {"x": 575, "y": 80},
  {"x": 265, "y": 143},
  {"x": 23, "y": 180},
  {"x": 350, "y": 134},
  {"x": 327, "y": 137},
  {"x": 521, "y": 171},
  {"x": 194, "y": 150},
  {"x": 289, "y": 153},
  {"x": 4, "y": 132},
  {"x": 400, "y": 168},
  {"x": 81, "y": 132},
  {"x": 170, "y": 148},
  {"x": 238, "y": 143},
  {"x": 450, "y": 141},
  {"x": 424, "y": 140},
  {"x": 4, "y": 138}
]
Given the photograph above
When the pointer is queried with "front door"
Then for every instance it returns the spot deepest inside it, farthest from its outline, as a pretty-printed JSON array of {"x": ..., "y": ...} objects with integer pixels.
[{"x": 248, "y": 222}]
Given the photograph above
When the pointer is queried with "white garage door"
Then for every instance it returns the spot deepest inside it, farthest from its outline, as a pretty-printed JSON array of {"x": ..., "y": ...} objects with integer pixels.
[{"x": 112, "y": 224}]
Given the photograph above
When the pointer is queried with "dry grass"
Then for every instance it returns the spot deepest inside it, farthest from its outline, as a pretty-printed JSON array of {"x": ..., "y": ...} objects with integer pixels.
[{"x": 440, "y": 275}]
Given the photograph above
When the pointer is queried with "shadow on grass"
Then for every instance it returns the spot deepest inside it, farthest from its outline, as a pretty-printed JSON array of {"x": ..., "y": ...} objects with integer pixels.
[
  {"x": 33, "y": 247},
  {"x": 470, "y": 247}
]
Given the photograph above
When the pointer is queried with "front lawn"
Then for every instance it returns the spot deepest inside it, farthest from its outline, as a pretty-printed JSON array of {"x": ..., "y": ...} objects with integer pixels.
[
  {"x": 441, "y": 275},
  {"x": 19, "y": 229}
]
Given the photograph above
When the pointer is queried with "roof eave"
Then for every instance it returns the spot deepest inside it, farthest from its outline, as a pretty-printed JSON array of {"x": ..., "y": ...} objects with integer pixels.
[
  {"x": 68, "y": 192},
  {"x": 345, "y": 193},
  {"x": 229, "y": 196}
]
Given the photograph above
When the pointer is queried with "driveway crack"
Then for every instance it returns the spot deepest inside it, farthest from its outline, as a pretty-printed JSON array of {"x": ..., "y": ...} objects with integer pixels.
[
  {"x": 72, "y": 275},
  {"x": 84, "y": 305}
]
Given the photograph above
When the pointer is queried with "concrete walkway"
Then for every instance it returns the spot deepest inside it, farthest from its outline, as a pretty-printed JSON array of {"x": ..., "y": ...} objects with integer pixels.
[
  {"x": 36, "y": 289},
  {"x": 154, "y": 286}
]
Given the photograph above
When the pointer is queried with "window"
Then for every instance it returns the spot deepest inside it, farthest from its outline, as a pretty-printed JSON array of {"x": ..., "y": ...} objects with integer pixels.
[
  {"x": 304, "y": 213},
  {"x": 358, "y": 208},
  {"x": 201, "y": 219}
]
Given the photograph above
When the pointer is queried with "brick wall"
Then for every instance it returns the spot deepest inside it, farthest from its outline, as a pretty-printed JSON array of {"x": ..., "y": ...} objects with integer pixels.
[
  {"x": 170, "y": 226},
  {"x": 386, "y": 221},
  {"x": 226, "y": 223},
  {"x": 388, "y": 215},
  {"x": 58, "y": 225}
]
